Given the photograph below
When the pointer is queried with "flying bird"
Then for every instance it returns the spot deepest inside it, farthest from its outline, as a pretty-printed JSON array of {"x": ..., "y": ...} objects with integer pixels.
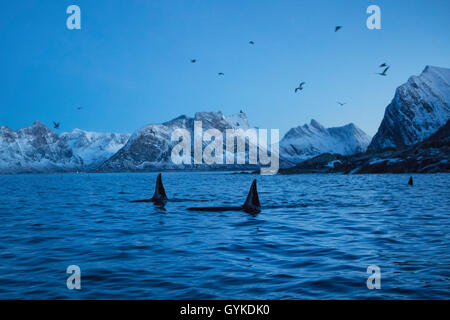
[
  {"x": 251, "y": 42},
  {"x": 336, "y": 29},
  {"x": 384, "y": 72},
  {"x": 383, "y": 65},
  {"x": 342, "y": 103},
  {"x": 221, "y": 74},
  {"x": 55, "y": 125},
  {"x": 300, "y": 87},
  {"x": 193, "y": 60}
]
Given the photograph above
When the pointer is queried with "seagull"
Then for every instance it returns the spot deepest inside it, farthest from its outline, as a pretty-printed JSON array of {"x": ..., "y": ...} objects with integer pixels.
[
  {"x": 55, "y": 125},
  {"x": 300, "y": 87},
  {"x": 341, "y": 103},
  {"x": 193, "y": 60},
  {"x": 336, "y": 29},
  {"x": 251, "y": 42},
  {"x": 383, "y": 65},
  {"x": 221, "y": 74},
  {"x": 384, "y": 72}
]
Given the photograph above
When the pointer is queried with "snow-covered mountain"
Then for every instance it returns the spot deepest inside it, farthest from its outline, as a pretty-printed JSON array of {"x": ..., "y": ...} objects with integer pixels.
[
  {"x": 38, "y": 149},
  {"x": 431, "y": 155},
  {"x": 310, "y": 140},
  {"x": 150, "y": 147},
  {"x": 94, "y": 147},
  {"x": 35, "y": 149},
  {"x": 419, "y": 108}
]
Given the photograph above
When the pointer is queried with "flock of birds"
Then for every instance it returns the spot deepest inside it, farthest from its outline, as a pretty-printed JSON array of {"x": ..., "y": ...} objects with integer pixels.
[
  {"x": 383, "y": 73},
  {"x": 300, "y": 87},
  {"x": 297, "y": 89}
]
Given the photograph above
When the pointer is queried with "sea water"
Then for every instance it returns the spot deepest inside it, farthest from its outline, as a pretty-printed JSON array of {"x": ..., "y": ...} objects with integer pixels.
[{"x": 314, "y": 239}]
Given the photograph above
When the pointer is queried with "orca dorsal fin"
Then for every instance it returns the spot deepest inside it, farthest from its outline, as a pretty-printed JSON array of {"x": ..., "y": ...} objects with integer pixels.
[
  {"x": 160, "y": 194},
  {"x": 252, "y": 205}
]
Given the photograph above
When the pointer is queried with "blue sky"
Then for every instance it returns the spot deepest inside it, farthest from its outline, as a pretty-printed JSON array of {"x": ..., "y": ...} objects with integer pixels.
[{"x": 129, "y": 65}]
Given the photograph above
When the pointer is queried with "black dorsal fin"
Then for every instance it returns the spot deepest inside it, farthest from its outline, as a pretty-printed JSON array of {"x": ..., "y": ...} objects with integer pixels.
[
  {"x": 160, "y": 194},
  {"x": 411, "y": 182},
  {"x": 252, "y": 205}
]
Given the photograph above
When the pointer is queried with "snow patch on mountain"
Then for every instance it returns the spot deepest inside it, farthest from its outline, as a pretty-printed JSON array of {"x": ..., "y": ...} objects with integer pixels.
[{"x": 94, "y": 147}]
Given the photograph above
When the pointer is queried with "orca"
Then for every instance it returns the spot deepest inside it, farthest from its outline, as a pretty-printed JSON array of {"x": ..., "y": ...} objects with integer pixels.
[
  {"x": 159, "y": 197},
  {"x": 251, "y": 204},
  {"x": 411, "y": 182}
]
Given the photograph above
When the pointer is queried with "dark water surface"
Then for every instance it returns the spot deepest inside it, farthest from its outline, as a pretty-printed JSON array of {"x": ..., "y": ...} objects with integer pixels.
[{"x": 315, "y": 237}]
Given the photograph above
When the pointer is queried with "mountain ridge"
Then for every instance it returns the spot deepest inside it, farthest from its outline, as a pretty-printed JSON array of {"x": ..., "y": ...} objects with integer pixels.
[
  {"x": 431, "y": 155},
  {"x": 149, "y": 148},
  {"x": 419, "y": 108},
  {"x": 38, "y": 149},
  {"x": 309, "y": 140}
]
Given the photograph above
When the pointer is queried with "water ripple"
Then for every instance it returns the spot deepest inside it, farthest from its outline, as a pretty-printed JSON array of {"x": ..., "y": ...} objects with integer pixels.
[{"x": 314, "y": 239}]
